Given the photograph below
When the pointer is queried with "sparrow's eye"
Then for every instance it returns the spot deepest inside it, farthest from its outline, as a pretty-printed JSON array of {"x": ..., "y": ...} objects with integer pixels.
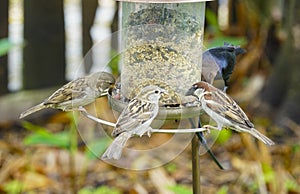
[{"x": 156, "y": 91}]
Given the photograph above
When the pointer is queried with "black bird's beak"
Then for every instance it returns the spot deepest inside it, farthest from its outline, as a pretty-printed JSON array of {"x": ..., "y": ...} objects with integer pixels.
[{"x": 239, "y": 51}]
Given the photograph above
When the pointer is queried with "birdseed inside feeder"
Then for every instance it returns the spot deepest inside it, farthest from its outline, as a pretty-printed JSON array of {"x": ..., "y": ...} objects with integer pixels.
[{"x": 161, "y": 44}]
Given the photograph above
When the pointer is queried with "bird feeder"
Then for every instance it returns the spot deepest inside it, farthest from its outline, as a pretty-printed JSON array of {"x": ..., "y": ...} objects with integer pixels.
[{"x": 161, "y": 44}]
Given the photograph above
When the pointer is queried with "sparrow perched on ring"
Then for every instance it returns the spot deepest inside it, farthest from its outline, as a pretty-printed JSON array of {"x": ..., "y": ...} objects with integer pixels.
[
  {"x": 77, "y": 93},
  {"x": 135, "y": 119},
  {"x": 224, "y": 110},
  {"x": 219, "y": 62}
]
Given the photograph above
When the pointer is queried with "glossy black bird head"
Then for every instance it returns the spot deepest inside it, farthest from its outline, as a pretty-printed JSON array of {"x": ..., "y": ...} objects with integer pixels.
[
  {"x": 224, "y": 57},
  {"x": 237, "y": 49}
]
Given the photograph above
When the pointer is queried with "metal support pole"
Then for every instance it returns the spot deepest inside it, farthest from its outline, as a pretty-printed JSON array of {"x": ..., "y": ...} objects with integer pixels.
[{"x": 196, "y": 165}]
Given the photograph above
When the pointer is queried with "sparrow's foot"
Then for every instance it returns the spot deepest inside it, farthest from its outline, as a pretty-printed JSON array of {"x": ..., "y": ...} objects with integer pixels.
[
  {"x": 149, "y": 133},
  {"x": 81, "y": 109},
  {"x": 208, "y": 127}
]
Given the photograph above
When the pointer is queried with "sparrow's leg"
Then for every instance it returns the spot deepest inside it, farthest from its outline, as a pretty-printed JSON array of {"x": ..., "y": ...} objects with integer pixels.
[
  {"x": 81, "y": 109},
  {"x": 225, "y": 89},
  {"x": 204, "y": 143},
  {"x": 149, "y": 132},
  {"x": 208, "y": 127}
]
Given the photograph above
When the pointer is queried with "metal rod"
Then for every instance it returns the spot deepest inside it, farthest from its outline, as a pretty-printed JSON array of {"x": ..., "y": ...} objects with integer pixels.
[
  {"x": 195, "y": 161},
  {"x": 86, "y": 114},
  {"x": 196, "y": 165},
  {"x": 178, "y": 130}
]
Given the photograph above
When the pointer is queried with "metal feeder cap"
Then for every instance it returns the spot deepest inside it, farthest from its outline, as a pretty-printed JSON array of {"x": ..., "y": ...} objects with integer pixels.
[{"x": 164, "y": 1}]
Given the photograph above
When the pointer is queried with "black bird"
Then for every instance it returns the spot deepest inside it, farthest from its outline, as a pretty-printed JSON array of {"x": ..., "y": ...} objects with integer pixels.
[{"x": 219, "y": 62}]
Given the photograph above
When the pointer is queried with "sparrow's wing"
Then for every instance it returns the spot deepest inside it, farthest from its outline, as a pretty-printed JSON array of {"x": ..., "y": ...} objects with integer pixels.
[
  {"x": 226, "y": 107},
  {"x": 134, "y": 115},
  {"x": 72, "y": 90}
]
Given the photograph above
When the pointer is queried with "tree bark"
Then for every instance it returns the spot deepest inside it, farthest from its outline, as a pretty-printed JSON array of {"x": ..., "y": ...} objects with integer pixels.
[
  {"x": 89, "y": 8},
  {"x": 282, "y": 91},
  {"x": 44, "y": 52},
  {"x": 3, "y": 34}
]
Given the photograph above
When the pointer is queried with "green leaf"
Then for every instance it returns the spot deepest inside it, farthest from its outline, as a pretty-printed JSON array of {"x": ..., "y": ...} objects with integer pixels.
[
  {"x": 219, "y": 41},
  {"x": 223, "y": 190},
  {"x": 34, "y": 128},
  {"x": 269, "y": 174},
  {"x": 180, "y": 189},
  {"x": 114, "y": 62},
  {"x": 171, "y": 167},
  {"x": 291, "y": 185},
  {"x": 97, "y": 148},
  {"x": 221, "y": 136},
  {"x": 12, "y": 187},
  {"x": 99, "y": 190},
  {"x": 60, "y": 140},
  {"x": 5, "y": 46},
  {"x": 42, "y": 136},
  {"x": 295, "y": 148},
  {"x": 211, "y": 18}
]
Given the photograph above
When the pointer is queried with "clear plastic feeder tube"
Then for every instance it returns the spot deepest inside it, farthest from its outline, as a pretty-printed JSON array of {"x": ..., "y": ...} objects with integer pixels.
[{"x": 161, "y": 44}]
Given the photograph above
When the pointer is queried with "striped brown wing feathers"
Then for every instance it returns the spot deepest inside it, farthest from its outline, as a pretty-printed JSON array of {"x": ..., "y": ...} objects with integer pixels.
[
  {"x": 225, "y": 106},
  {"x": 67, "y": 92},
  {"x": 136, "y": 113}
]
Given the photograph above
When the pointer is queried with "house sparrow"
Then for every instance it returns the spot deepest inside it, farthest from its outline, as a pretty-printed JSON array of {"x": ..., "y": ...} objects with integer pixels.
[
  {"x": 135, "y": 119},
  {"x": 219, "y": 62},
  {"x": 76, "y": 94},
  {"x": 224, "y": 110}
]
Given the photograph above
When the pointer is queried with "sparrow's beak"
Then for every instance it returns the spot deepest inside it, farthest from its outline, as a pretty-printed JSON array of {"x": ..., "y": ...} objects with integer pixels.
[
  {"x": 190, "y": 92},
  {"x": 109, "y": 89}
]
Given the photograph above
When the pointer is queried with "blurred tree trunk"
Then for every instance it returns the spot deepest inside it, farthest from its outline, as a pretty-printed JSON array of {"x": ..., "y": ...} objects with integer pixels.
[
  {"x": 282, "y": 90},
  {"x": 89, "y": 8},
  {"x": 114, "y": 27},
  {"x": 3, "y": 34},
  {"x": 44, "y": 53}
]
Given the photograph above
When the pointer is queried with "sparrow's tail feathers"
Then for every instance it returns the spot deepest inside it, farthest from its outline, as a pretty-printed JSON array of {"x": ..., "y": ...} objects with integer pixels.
[
  {"x": 114, "y": 151},
  {"x": 32, "y": 110},
  {"x": 261, "y": 137}
]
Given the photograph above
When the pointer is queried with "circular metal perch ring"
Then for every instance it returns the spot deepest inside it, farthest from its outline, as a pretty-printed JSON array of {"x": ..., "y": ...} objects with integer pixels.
[{"x": 165, "y": 113}]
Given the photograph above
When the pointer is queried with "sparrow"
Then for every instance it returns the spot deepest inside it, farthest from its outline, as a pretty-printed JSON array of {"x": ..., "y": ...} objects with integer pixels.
[
  {"x": 135, "y": 119},
  {"x": 76, "y": 94},
  {"x": 224, "y": 110},
  {"x": 219, "y": 62}
]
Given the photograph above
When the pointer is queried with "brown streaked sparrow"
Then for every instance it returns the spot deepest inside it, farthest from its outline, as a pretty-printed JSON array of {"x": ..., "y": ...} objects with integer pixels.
[
  {"x": 224, "y": 110},
  {"x": 77, "y": 93},
  {"x": 135, "y": 119}
]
